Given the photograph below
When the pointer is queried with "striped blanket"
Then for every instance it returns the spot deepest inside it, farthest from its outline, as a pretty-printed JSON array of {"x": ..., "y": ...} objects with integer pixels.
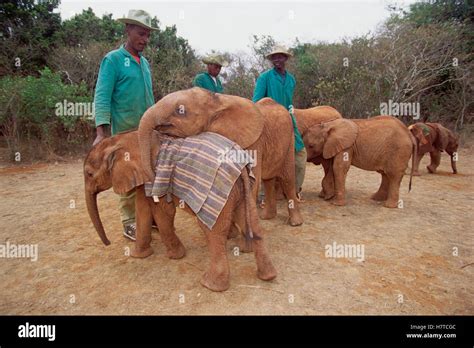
[{"x": 199, "y": 170}]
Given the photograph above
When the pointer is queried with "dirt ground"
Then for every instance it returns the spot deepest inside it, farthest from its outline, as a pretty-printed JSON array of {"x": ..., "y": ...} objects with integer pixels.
[{"x": 417, "y": 259}]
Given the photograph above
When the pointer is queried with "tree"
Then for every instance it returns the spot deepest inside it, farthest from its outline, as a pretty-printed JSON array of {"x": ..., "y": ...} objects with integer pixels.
[{"x": 27, "y": 30}]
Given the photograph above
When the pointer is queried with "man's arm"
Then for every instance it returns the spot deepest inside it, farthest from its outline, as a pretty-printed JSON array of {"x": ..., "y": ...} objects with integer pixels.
[
  {"x": 260, "y": 90},
  {"x": 103, "y": 98}
]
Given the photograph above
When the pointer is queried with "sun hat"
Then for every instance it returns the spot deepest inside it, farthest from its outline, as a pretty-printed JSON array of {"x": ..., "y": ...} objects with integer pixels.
[
  {"x": 279, "y": 49},
  {"x": 138, "y": 17},
  {"x": 215, "y": 59}
]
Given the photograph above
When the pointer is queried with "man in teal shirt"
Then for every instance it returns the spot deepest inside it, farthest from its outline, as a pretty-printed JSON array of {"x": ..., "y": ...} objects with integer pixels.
[
  {"x": 210, "y": 80},
  {"x": 123, "y": 93},
  {"x": 279, "y": 85}
]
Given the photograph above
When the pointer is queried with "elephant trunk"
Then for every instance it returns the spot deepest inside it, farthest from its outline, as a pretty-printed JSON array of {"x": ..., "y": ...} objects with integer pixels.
[
  {"x": 152, "y": 118},
  {"x": 145, "y": 130},
  {"x": 91, "y": 202}
]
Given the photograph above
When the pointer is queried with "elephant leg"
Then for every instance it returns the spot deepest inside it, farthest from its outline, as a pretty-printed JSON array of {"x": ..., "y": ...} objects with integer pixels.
[
  {"x": 393, "y": 189},
  {"x": 265, "y": 268},
  {"x": 164, "y": 214},
  {"x": 217, "y": 276},
  {"x": 416, "y": 171},
  {"x": 435, "y": 161},
  {"x": 327, "y": 183},
  {"x": 144, "y": 219},
  {"x": 382, "y": 193},
  {"x": 453, "y": 156},
  {"x": 270, "y": 209},
  {"x": 341, "y": 165}
]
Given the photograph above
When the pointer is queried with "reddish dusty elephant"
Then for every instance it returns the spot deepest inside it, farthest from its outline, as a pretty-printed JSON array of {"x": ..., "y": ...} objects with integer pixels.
[
  {"x": 434, "y": 138},
  {"x": 381, "y": 144},
  {"x": 116, "y": 162},
  {"x": 305, "y": 120}
]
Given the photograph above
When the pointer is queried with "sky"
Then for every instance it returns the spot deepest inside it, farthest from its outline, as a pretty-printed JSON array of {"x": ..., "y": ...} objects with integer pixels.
[{"x": 228, "y": 25}]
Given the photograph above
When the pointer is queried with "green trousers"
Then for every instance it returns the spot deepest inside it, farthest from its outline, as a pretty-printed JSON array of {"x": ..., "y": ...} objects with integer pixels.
[
  {"x": 300, "y": 167},
  {"x": 127, "y": 207}
]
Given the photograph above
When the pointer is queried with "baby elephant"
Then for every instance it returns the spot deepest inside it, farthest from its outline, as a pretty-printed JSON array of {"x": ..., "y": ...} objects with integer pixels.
[
  {"x": 116, "y": 162},
  {"x": 434, "y": 138},
  {"x": 381, "y": 144}
]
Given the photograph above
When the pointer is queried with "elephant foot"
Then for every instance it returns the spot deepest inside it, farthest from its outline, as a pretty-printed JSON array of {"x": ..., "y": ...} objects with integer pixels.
[
  {"x": 339, "y": 202},
  {"x": 267, "y": 213},
  {"x": 328, "y": 196},
  {"x": 390, "y": 204},
  {"x": 431, "y": 169},
  {"x": 215, "y": 283},
  {"x": 455, "y": 171},
  {"x": 379, "y": 197},
  {"x": 417, "y": 173},
  {"x": 295, "y": 218},
  {"x": 322, "y": 194},
  {"x": 141, "y": 253},
  {"x": 267, "y": 273},
  {"x": 176, "y": 253}
]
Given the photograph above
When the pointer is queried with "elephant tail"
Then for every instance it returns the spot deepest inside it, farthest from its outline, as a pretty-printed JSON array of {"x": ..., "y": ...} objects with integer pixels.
[
  {"x": 249, "y": 233},
  {"x": 414, "y": 153}
]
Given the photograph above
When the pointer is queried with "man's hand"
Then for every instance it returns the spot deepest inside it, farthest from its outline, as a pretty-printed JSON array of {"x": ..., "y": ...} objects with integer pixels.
[{"x": 102, "y": 133}]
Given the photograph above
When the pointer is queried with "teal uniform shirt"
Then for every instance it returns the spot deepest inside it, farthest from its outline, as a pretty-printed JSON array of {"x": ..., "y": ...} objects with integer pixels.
[
  {"x": 280, "y": 88},
  {"x": 123, "y": 91},
  {"x": 204, "y": 80}
]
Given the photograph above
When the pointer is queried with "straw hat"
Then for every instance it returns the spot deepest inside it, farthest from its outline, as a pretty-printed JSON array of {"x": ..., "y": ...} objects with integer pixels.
[
  {"x": 138, "y": 17},
  {"x": 215, "y": 59},
  {"x": 279, "y": 49}
]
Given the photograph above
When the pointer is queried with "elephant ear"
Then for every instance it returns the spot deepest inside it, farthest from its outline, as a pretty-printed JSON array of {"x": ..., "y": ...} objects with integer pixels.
[
  {"x": 125, "y": 167},
  {"x": 418, "y": 134},
  {"x": 237, "y": 119},
  {"x": 341, "y": 134},
  {"x": 442, "y": 137}
]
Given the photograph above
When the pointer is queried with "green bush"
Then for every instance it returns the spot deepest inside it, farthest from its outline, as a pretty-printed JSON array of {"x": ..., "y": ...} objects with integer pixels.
[{"x": 32, "y": 109}]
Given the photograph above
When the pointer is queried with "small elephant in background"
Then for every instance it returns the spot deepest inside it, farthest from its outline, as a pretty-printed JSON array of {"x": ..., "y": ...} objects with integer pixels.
[
  {"x": 381, "y": 144},
  {"x": 434, "y": 138},
  {"x": 307, "y": 118},
  {"x": 115, "y": 162}
]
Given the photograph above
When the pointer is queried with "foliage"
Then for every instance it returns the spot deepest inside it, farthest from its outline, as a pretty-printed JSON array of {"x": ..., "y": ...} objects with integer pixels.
[
  {"x": 29, "y": 110},
  {"x": 420, "y": 55}
]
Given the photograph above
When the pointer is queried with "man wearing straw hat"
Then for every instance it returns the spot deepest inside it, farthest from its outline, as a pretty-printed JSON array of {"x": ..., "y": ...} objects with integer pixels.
[
  {"x": 279, "y": 84},
  {"x": 123, "y": 93},
  {"x": 210, "y": 80}
]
